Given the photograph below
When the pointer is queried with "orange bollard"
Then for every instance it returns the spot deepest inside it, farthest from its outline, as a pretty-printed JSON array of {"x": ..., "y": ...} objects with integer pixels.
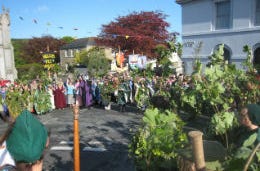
[{"x": 76, "y": 138}]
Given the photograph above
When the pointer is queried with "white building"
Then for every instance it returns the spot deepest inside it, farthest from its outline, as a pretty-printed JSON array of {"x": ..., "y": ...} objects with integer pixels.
[{"x": 209, "y": 23}]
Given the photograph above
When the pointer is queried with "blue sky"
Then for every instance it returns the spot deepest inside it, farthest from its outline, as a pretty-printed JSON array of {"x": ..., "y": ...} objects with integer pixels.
[{"x": 79, "y": 18}]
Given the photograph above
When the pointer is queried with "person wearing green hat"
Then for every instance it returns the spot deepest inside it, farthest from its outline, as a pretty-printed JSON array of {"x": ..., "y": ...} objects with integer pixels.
[
  {"x": 26, "y": 141},
  {"x": 249, "y": 117}
]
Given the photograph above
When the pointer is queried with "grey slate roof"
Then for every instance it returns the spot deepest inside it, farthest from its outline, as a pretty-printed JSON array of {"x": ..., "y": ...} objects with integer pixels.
[
  {"x": 79, "y": 43},
  {"x": 183, "y": 1}
]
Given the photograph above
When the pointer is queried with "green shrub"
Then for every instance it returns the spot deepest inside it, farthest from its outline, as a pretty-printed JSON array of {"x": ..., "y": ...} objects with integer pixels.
[
  {"x": 156, "y": 143},
  {"x": 29, "y": 71}
]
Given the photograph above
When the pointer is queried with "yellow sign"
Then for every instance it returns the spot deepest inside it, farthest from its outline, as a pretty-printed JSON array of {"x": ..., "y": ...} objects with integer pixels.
[
  {"x": 48, "y": 60},
  {"x": 48, "y": 55}
]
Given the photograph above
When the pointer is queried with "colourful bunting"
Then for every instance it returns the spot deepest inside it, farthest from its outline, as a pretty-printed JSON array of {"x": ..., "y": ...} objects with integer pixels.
[{"x": 35, "y": 21}]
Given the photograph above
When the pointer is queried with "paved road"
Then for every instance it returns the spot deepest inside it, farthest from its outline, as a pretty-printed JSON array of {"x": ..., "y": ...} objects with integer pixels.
[{"x": 104, "y": 139}]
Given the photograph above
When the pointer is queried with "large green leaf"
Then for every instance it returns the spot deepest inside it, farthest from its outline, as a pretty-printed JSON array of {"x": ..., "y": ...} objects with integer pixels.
[
  {"x": 150, "y": 117},
  {"x": 250, "y": 141},
  {"x": 243, "y": 153}
]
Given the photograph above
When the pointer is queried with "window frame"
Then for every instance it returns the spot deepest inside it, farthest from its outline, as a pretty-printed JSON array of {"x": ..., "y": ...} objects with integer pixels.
[
  {"x": 257, "y": 13},
  {"x": 216, "y": 25}
]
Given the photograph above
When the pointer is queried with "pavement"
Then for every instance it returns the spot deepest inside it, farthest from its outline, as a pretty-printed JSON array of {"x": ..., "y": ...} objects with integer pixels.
[{"x": 104, "y": 138}]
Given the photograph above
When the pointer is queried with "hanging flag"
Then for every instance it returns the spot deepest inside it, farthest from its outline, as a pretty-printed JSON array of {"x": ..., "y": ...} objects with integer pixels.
[
  {"x": 21, "y": 18},
  {"x": 35, "y": 21},
  {"x": 126, "y": 37}
]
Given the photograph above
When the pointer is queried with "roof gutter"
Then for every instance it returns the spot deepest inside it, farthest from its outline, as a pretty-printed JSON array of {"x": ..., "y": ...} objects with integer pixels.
[{"x": 183, "y": 1}]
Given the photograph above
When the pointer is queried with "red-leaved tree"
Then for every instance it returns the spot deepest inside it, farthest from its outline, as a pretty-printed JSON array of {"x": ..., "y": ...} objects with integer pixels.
[
  {"x": 138, "y": 32},
  {"x": 32, "y": 51}
]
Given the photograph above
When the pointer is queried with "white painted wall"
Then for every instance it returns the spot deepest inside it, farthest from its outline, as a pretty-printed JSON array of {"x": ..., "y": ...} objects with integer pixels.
[{"x": 198, "y": 21}]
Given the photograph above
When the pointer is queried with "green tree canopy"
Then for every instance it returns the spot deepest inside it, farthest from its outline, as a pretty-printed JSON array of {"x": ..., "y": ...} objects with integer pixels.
[
  {"x": 68, "y": 39},
  {"x": 95, "y": 60}
]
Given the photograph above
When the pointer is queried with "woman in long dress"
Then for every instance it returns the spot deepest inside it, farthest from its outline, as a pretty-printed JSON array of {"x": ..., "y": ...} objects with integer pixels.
[
  {"x": 70, "y": 93},
  {"x": 78, "y": 93},
  {"x": 88, "y": 91},
  {"x": 50, "y": 91},
  {"x": 59, "y": 96}
]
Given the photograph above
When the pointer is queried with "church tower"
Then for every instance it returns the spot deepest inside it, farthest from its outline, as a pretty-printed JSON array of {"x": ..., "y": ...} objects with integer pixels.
[{"x": 7, "y": 64}]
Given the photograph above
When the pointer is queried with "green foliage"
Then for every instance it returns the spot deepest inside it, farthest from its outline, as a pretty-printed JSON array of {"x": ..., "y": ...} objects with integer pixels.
[
  {"x": 29, "y": 71},
  {"x": 142, "y": 95},
  {"x": 18, "y": 45},
  {"x": 222, "y": 122},
  {"x": 164, "y": 52},
  {"x": 238, "y": 159},
  {"x": 105, "y": 91},
  {"x": 95, "y": 60},
  {"x": 17, "y": 102},
  {"x": 42, "y": 101},
  {"x": 67, "y": 39},
  {"x": 217, "y": 57},
  {"x": 222, "y": 89},
  {"x": 248, "y": 62},
  {"x": 155, "y": 145}
]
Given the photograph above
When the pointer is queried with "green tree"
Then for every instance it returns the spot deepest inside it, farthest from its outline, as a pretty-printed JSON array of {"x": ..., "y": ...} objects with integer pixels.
[
  {"x": 18, "y": 45},
  {"x": 95, "y": 60},
  {"x": 68, "y": 39},
  {"x": 164, "y": 52}
]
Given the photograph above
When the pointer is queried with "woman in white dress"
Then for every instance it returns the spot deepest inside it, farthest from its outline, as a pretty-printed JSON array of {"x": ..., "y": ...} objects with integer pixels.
[{"x": 50, "y": 91}]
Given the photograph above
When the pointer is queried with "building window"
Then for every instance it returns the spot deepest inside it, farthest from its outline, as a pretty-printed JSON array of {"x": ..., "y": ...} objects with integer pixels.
[
  {"x": 257, "y": 13},
  {"x": 69, "y": 53},
  {"x": 256, "y": 60},
  {"x": 65, "y": 53},
  {"x": 223, "y": 15}
]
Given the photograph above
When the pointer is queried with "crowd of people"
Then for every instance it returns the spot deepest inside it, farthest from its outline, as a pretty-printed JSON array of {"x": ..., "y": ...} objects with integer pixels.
[{"x": 57, "y": 93}]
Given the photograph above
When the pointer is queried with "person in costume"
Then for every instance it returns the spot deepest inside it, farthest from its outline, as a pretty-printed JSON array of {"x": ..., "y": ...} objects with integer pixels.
[
  {"x": 59, "y": 96},
  {"x": 42, "y": 102},
  {"x": 70, "y": 92},
  {"x": 51, "y": 96},
  {"x": 142, "y": 95},
  {"x": 123, "y": 94},
  {"x": 88, "y": 94},
  {"x": 78, "y": 93},
  {"x": 24, "y": 147},
  {"x": 82, "y": 82},
  {"x": 249, "y": 118}
]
